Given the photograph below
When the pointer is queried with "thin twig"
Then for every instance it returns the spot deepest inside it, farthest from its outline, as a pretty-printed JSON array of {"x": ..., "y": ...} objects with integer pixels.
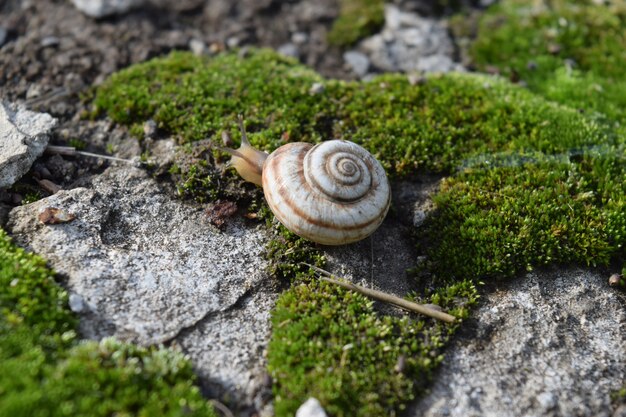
[
  {"x": 382, "y": 296},
  {"x": 71, "y": 151}
]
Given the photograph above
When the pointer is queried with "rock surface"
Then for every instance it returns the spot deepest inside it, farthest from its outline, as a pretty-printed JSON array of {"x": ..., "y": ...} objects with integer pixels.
[
  {"x": 24, "y": 136},
  {"x": 147, "y": 268},
  {"x": 410, "y": 43},
  {"x": 551, "y": 343}
]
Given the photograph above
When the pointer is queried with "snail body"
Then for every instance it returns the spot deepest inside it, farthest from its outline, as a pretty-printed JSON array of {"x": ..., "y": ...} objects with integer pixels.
[{"x": 332, "y": 193}]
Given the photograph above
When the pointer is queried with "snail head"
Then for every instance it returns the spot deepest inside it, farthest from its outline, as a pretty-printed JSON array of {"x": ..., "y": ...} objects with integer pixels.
[{"x": 247, "y": 161}]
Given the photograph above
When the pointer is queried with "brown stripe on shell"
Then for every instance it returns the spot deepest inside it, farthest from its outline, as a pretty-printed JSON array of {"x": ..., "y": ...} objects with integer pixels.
[{"x": 274, "y": 160}]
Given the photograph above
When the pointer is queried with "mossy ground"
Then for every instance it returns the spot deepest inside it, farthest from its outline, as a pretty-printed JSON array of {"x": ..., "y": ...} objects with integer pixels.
[
  {"x": 571, "y": 52},
  {"x": 531, "y": 182},
  {"x": 46, "y": 371}
]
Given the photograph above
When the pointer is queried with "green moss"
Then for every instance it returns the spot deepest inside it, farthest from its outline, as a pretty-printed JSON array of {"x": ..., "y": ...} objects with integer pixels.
[
  {"x": 497, "y": 221},
  {"x": 571, "y": 52},
  {"x": 330, "y": 344},
  {"x": 44, "y": 371},
  {"x": 619, "y": 397},
  {"x": 357, "y": 19},
  {"x": 29, "y": 296},
  {"x": 531, "y": 183},
  {"x": 434, "y": 126}
]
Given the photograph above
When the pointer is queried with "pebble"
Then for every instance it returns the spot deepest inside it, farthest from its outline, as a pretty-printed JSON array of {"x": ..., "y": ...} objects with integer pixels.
[
  {"x": 289, "y": 49},
  {"x": 197, "y": 47},
  {"x": 77, "y": 303},
  {"x": 299, "y": 38},
  {"x": 103, "y": 8},
  {"x": 317, "y": 88},
  {"x": 311, "y": 408},
  {"x": 24, "y": 136},
  {"x": 150, "y": 128},
  {"x": 357, "y": 61}
]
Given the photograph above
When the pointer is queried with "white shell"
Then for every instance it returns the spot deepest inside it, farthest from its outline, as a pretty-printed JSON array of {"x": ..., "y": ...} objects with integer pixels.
[{"x": 332, "y": 193}]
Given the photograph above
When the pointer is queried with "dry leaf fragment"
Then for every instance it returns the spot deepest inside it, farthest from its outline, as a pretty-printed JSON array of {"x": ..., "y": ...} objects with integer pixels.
[
  {"x": 54, "y": 215},
  {"x": 220, "y": 211}
]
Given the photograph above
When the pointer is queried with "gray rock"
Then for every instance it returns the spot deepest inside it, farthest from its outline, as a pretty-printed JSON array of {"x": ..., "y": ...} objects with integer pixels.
[
  {"x": 103, "y": 8},
  {"x": 317, "y": 88},
  {"x": 24, "y": 136},
  {"x": 151, "y": 269},
  {"x": 299, "y": 38},
  {"x": 409, "y": 42},
  {"x": 311, "y": 408},
  {"x": 76, "y": 302},
  {"x": 551, "y": 343},
  {"x": 228, "y": 350},
  {"x": 197, "y": 46},
  {"x": 289, "y": 49},
  {"x": 358, "y": 62}
]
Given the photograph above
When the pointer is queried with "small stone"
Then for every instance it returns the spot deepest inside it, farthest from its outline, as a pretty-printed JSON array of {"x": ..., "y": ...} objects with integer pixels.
[
  {"x": 150, "y": 128},
  {"x": 554, "y": 48},
  {"x": 197, "y": 47},
  {"x": 311, "y": 408},
  {"x": 317, "y": 88},
  {"x": 614, "y": 280},
  {"x": 289, "y": 49},
  {"x": 76, "y": 302},
  {"x": 358, "y": 62},
  {"x": 299, "y": 38},
  {"x": 416, "y": 79},
  {"x": 419, "y": 217},
  {"x": 103, "y": 8},
  {"x": 34, "y": 91},
  {"x": 25, "y": 135},
  {"x": 233, "y": 42},
  {"x": 50, "y": 41},
  {"x": 547, "y": 401}
]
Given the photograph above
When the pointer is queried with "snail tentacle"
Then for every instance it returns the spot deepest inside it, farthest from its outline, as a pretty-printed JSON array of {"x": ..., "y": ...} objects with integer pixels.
[{"x": 247, "y": 160}]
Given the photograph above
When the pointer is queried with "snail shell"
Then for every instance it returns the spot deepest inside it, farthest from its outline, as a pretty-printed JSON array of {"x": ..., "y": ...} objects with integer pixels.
[{"x": 332, "y": 193}]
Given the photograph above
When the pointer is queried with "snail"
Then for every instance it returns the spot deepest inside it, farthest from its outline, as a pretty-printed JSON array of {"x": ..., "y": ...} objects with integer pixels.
[{"x": 331, "y": 193}]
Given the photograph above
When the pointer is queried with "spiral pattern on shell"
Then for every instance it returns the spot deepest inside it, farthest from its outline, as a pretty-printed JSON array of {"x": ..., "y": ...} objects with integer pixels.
[{"x": 332, "y": 193}]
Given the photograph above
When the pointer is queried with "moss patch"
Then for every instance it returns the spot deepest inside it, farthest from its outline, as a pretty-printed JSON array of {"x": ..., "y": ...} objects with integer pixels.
[
  {"x": 495, "y": 221},
  {"x": 357, "y": 19},
  {"x": 44, "y": 371},
  {"x": 329, "y": 344},
  {"x": 571, "y": 52},
  {"x": 434, "y": 126}
]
